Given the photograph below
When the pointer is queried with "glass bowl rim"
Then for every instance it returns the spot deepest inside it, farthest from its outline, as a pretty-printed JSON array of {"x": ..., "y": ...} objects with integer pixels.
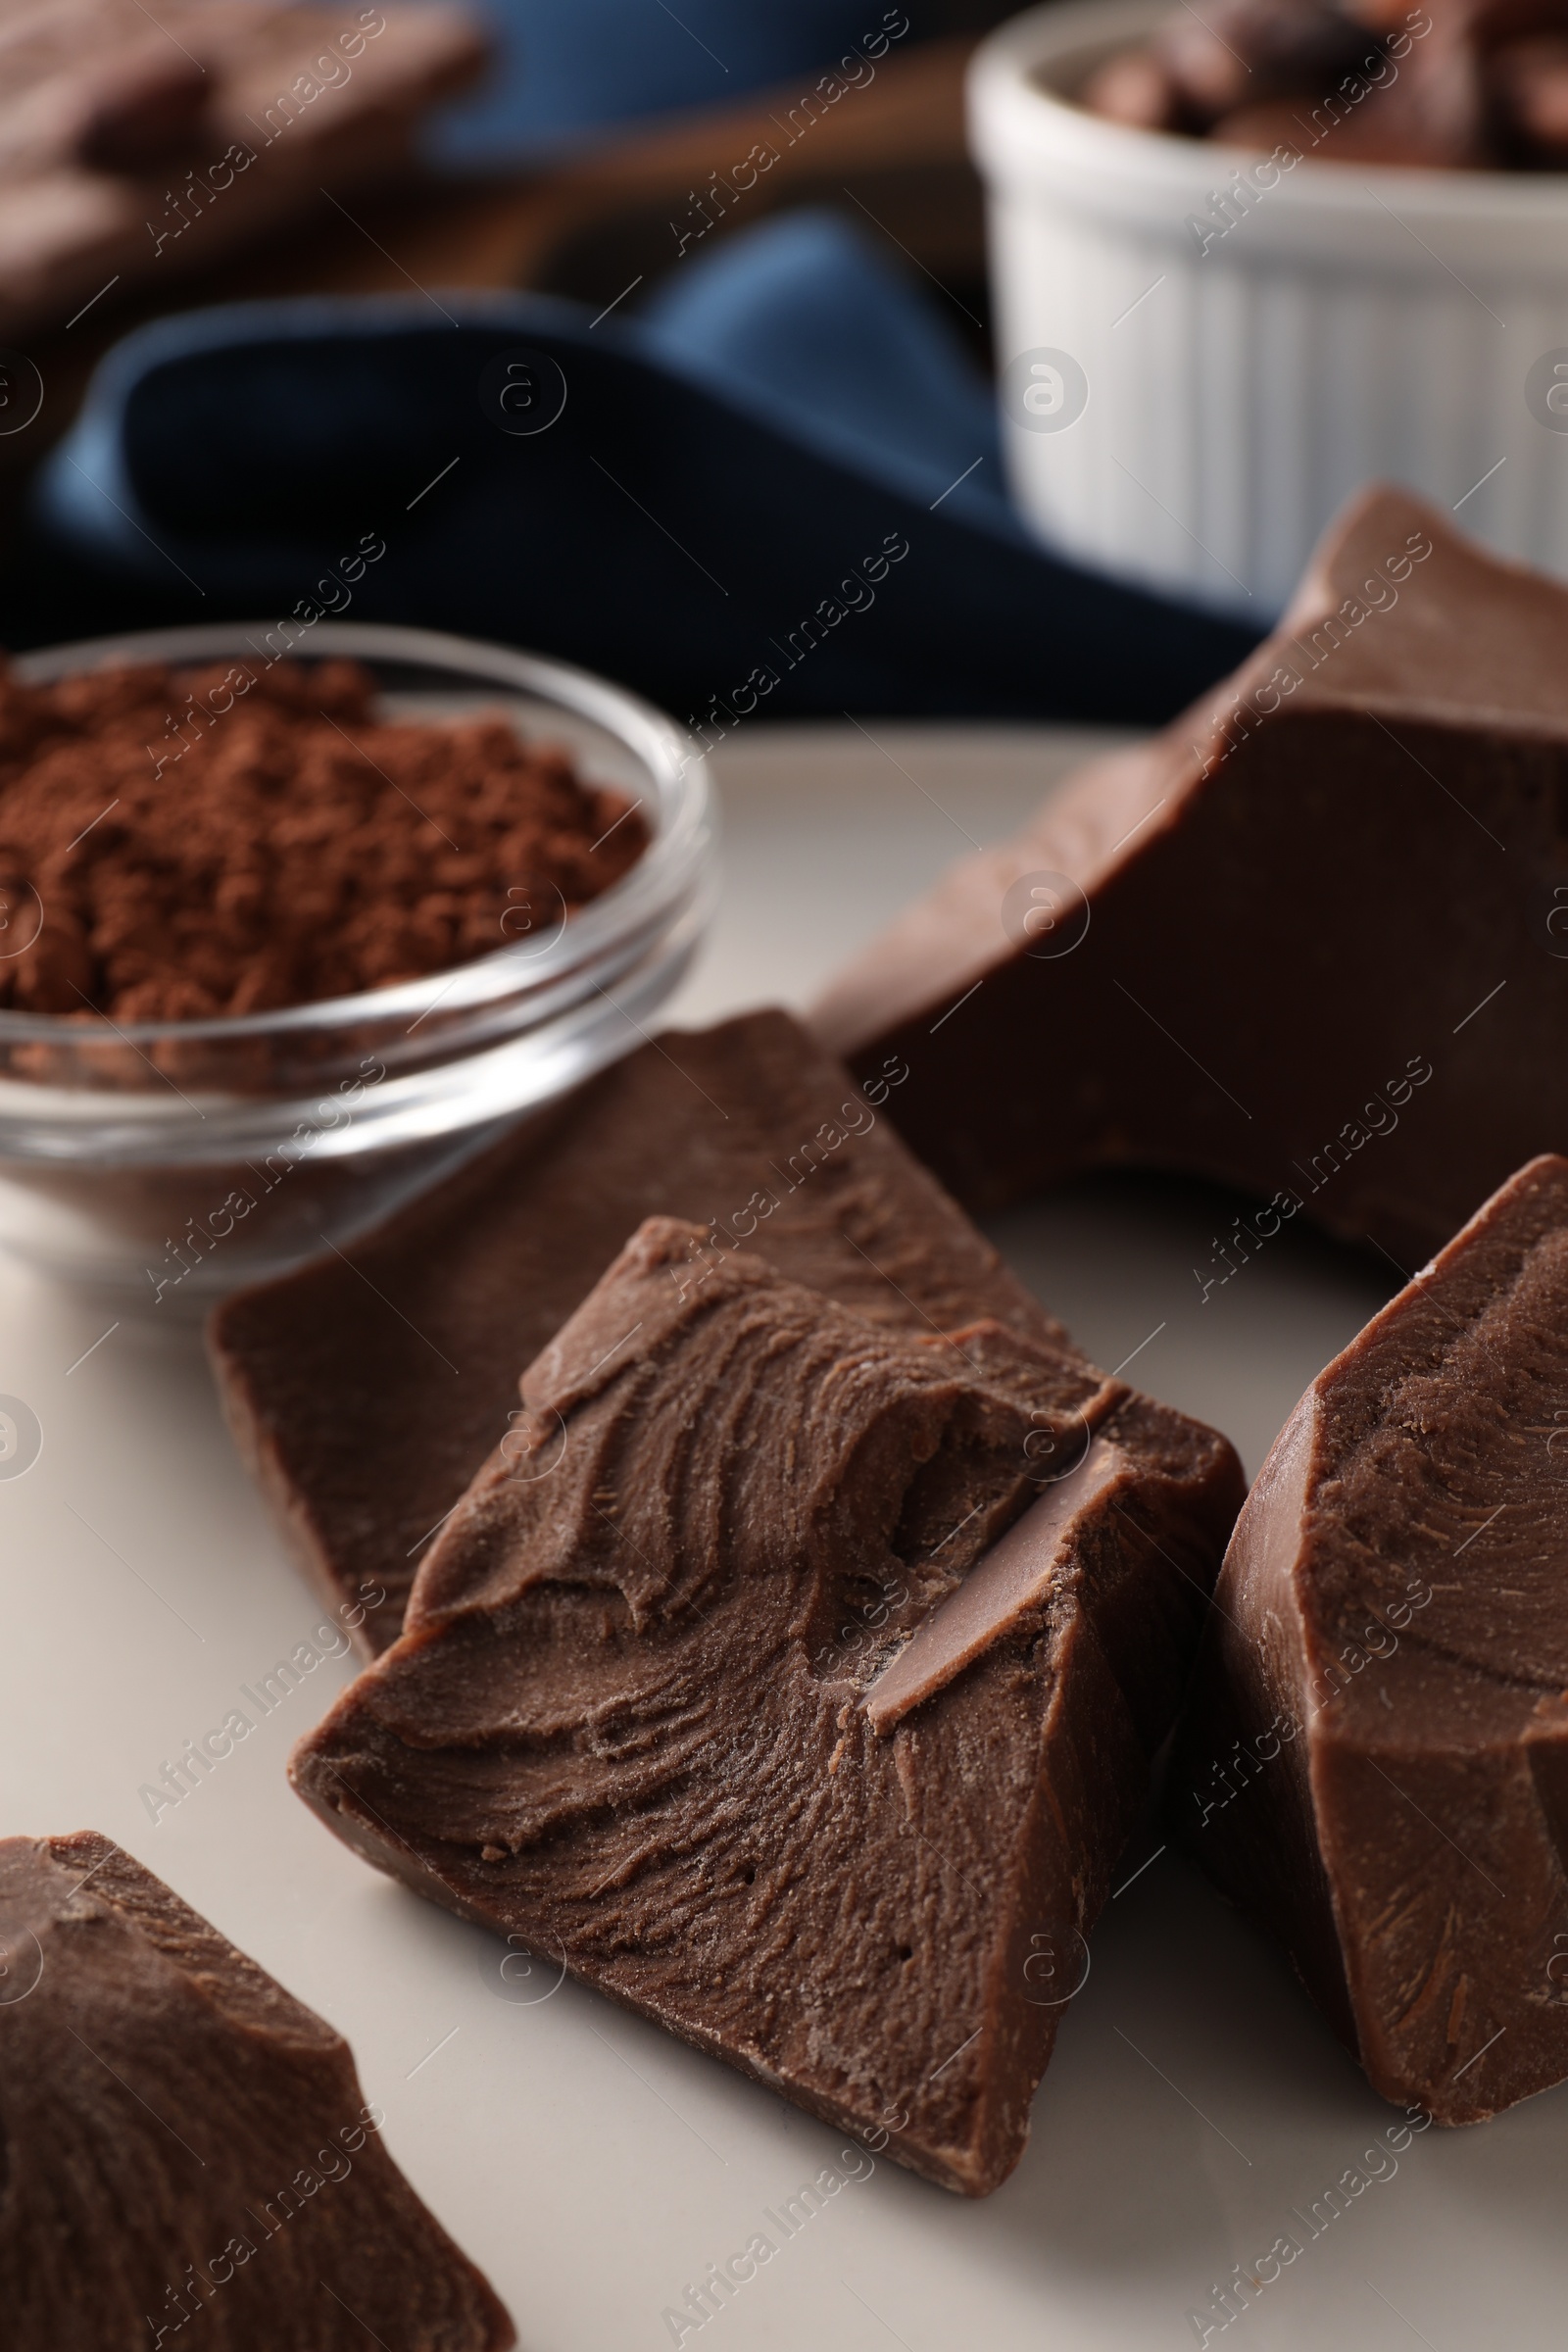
[{"x": 664, "y": 872}]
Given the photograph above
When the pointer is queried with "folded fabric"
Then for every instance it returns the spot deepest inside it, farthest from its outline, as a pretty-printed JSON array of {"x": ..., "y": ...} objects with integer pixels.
[
  {"x": 777, "y": 491},
  {"x": 566, "y": 69}
]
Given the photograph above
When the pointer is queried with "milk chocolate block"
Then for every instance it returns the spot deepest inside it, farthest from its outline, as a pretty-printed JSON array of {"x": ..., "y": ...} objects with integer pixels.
[
  {"x": 134, "y": 146},
  {"x": 1375, "y": 1761},
  {"x": 1309, "y": 942},
  {"x": 366, "y": 1390},
  {"x": 183, "y": 2143},
  {"x": 794, "y": 1680}
]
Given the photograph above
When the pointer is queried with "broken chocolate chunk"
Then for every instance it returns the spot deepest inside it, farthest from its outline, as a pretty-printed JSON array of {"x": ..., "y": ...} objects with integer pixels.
[
  {"x": 367, "y": 1390},
  {"x": 1375, "y": 1759},
  {"x": 1246, "y": 52},
  {"x": 1309, "y": 942},
  {"x": 183, "y": 2142},
  {"x": 719, "y": 1688},
  {"x": 131, "y": 149},
  {"x": 1135, "y": 88},
  {"x": 1528, "y": 86},
  {"x": 1376, "y": 82}
]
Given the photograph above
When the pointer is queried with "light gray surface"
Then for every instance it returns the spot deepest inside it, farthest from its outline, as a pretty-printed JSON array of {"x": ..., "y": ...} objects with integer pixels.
[
  {"x": 591, "y": 2163},
  {"x": 829, "y": 829}
]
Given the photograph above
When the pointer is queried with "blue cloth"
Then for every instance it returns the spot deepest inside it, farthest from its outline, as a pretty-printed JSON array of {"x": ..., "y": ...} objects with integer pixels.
[
  {"x": 804, "y": 323},
  {"x": 711, "y": 518},
  {"x": 566, "y": 69}
]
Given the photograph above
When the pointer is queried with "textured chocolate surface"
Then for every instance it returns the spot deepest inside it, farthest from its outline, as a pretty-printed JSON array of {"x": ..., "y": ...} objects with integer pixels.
[
  {"x": 1375, "y": 1761},
  {"x": 1309, "y": 941},
  {"x": 634, "y": 1716},
  {"x": 184, "y": 2144},
  {"x": 366, "y": 1390}
]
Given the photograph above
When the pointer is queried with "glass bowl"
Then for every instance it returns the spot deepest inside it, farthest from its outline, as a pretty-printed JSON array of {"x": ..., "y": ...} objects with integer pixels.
[{"x": 160, "y": 1164}]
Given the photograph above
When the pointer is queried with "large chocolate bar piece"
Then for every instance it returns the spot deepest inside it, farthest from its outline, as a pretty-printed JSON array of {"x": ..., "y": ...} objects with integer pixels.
[
  {"x": 1309, "y": 942},
  {"x": 367, "y": 1390},
  {"x": 134, "y": 145},
  {"x": 1375, "y": 1762},
  {"x": 184, "y": 2144},
  {"x": 794, "y": 1680}
]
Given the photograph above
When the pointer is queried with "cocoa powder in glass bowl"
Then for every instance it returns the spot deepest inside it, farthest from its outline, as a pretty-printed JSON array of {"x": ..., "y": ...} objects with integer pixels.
[
  {"x": 298, "y": 845},
  {"x": 268, "y": 829}
]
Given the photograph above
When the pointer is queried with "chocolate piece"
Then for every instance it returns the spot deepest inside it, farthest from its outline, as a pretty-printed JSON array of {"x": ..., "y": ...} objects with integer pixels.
[
  {"x": 1281, "y": 122},
  {"x": 366, "y": 1391},
  {"x": 1383, "y": 82},
  {"x": 1528, "y": 85},
  {"x": 1309, "y": 942},
  {"x": 653, "y": 1709},
  {"x": 134, "y": 145},
  {"x": 1375, "y": 1761},
  {"x": 1426, "y": 121},
  {"x": 181, "y": 2140},
  {"x": 131, "y": 114},
  {"x": 1434, "y": 116},
  {"x": 1246, "y": 52},
  {"x": 1137, "y": 89}
]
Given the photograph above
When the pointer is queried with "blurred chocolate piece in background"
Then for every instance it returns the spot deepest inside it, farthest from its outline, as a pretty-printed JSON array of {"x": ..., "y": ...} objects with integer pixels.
[
  {"x": 1529, "y": 88},
  {"x": 1246, "y": 52},
  {"x": 1138, "y": 88},
  {"x": 1465, "y": 85},
  {"x": 130, "y": 148}
]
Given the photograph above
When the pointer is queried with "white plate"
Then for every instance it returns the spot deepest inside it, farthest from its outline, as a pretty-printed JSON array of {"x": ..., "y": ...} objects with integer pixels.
[{"x": 1198, "y": 2106}]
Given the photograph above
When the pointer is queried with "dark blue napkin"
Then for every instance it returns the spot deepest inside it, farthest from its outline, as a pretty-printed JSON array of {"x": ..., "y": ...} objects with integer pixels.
[
  {"x": 565, "y": 70},
  {"x": 777, "y": 490}
]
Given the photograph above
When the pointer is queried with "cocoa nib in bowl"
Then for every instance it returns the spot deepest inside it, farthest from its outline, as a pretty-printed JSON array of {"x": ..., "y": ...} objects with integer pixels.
[
  {"x": 1459, "y": 84},
  {"x": 300, "y": 847},
  {"x": 284, "y": 942}
]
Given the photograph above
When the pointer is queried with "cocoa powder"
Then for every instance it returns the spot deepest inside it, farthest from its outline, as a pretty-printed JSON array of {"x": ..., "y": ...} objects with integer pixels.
[{"x": 293, "y": 847}]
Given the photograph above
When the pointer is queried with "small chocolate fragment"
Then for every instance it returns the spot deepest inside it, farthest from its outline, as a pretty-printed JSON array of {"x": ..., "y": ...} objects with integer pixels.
[
  {"x": 1135, "y": 88},
  {"x": 1246, "y": 52},
  {"x": 1374, "y": 1758},
  {"x": 138, "y": 142},
  {"x": 1309, "y": 942},
  {"x": 720, "y": 1691},
  {"x": 137, "y": 109},
  {"x": 1380, "y": 82},
  {"x": 365, "y": 1395},
  {"x": 1529, "y": 84},
  {"x": 1424, "y": 121},
  {"x": 1410, "y": 127},
  {"x": 1280, "y": 123},
  {"x": 184, "y": 2142}
]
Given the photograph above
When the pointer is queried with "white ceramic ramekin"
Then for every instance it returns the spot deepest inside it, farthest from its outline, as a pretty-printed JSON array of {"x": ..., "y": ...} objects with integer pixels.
[{"x": 1189, "y": 414}]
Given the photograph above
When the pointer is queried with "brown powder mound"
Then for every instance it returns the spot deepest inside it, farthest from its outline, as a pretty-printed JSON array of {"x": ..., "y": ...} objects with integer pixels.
[{"x": 177, "y": 845}]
